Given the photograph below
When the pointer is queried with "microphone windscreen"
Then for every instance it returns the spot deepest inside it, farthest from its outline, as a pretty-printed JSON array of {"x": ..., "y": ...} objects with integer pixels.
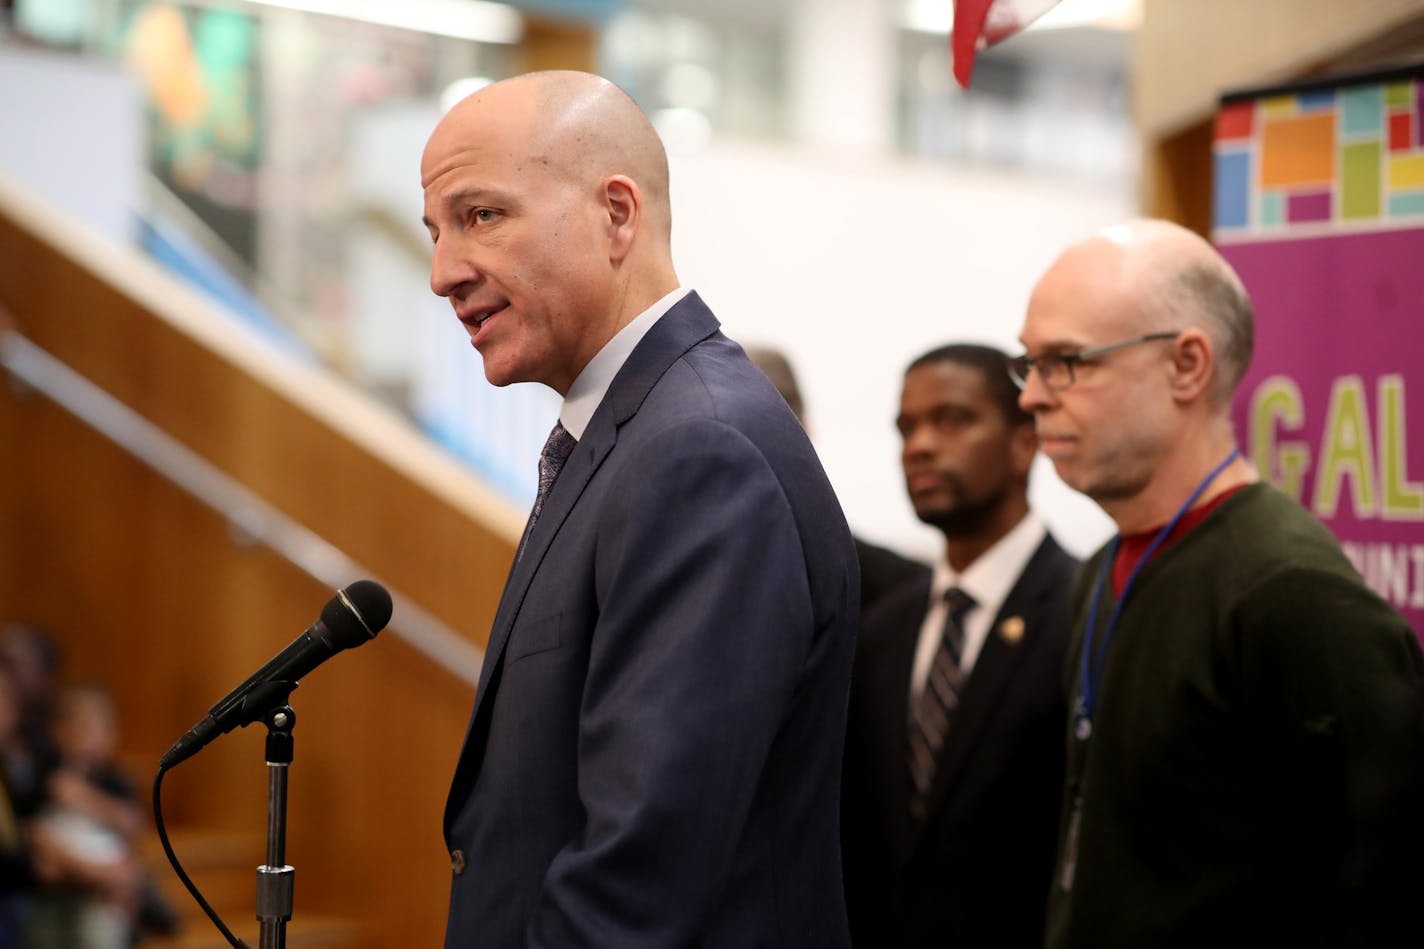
[{"x": 371, "y": 602}]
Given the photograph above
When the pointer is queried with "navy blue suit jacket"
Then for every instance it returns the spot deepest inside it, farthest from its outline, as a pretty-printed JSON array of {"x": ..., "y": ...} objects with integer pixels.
[{"x": 653, "y": 758}]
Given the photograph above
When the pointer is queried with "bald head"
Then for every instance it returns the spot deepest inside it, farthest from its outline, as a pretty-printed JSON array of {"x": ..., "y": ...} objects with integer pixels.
[
  {"x": 546, "y": 197},
  {"x": 1137, "y": 337},
  {"x": 577, "y": 127},
  {"x": 1178, "y": 280}
]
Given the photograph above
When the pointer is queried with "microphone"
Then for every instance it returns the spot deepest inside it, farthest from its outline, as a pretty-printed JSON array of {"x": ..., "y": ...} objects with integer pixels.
[{"x": 353, "y": 616}]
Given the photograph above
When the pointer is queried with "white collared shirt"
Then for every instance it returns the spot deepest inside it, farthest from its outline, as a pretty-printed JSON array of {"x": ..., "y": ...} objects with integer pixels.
[
  {"x": 988, "y": 580},
  {"x": 592, "y": 384}
]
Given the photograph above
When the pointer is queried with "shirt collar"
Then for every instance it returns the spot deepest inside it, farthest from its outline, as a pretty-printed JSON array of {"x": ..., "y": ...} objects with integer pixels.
[
  {"x": 592, "y": 384},
  {"x": 993, "y": 574}
]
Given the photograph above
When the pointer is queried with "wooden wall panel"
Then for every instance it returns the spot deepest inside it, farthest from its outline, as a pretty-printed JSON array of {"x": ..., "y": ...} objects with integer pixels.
[
  {"x": 336, "y": 461},
  {"x": 1188, "y": 52},
  {"x": 1177, "y": 178},
  {"x": 152, "y": 593},
  {"x": 556, "y": 44}
]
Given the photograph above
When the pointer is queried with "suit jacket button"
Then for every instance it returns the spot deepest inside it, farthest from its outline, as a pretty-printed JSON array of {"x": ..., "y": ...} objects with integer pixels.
[{"x": 457, "y": 861}]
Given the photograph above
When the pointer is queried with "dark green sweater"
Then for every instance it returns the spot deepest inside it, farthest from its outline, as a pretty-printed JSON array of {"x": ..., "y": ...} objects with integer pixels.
[{"x": 1256, "y": 771}]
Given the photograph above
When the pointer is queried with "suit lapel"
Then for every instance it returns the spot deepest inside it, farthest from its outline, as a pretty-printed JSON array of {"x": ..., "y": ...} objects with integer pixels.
[
  {"x": 993, "y": 674},
  {"x": 577, "y": 472},
  {"x": 686, "y": 324}
]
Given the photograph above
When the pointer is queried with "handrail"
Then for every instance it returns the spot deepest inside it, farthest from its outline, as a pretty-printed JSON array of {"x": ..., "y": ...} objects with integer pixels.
[{"x": 252, "y": 519}]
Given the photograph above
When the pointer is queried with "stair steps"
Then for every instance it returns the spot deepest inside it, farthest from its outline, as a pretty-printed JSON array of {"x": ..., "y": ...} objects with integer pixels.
[{"x": 223, "y": 866}]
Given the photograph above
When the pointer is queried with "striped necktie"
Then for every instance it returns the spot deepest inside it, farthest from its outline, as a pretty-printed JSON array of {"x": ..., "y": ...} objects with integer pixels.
[
  {"x": 557, "y": 449},
  {"x": 934, "y": 711}
]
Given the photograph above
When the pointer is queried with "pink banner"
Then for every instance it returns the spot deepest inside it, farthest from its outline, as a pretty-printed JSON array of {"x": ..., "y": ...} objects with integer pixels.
[
  {"x": 1324, "y": 411},
  {"x": 1320, "y": 208}
]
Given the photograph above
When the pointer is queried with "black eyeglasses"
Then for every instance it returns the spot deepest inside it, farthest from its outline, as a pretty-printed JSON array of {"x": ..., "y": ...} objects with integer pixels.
[{"x": 1055, "y": 370}]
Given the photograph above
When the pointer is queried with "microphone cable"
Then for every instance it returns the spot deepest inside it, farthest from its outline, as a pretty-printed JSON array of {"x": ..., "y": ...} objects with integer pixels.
[{"x": 178, "y": 868}]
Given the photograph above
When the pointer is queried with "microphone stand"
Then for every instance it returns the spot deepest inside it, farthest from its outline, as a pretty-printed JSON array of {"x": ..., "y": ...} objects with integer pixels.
[{"x": 275, "y": 878}]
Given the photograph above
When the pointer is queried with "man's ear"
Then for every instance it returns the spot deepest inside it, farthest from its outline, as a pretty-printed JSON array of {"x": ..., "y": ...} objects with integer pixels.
[
  {"x": 624, "y": 203},
  {"x": 1193, "y": 364}
]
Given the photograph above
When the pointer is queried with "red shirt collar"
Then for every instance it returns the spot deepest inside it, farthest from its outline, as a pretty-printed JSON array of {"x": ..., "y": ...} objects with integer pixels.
[{"x": 1134, "y": 546}]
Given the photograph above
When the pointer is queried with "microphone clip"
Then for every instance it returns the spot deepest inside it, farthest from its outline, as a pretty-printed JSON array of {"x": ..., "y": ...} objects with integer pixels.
[
  {"x": 259, "y": 702},
  {"x": 265, "y": 699}
]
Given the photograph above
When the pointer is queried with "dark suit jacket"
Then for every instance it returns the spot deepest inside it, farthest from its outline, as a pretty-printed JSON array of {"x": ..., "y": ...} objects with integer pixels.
[
  {"x": 653, "y": 755},
  {"x": 882, "y": 571},
  {"x": 976, "y": 872}
]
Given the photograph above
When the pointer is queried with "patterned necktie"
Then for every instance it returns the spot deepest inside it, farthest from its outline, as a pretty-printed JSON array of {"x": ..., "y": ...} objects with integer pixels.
[
  {"x": 935, "y": 709},
  {"x": 551, "y": 461}
]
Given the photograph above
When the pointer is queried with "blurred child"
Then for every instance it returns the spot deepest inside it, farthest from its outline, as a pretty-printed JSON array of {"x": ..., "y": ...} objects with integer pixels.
[{"x": 83, "y": 839}]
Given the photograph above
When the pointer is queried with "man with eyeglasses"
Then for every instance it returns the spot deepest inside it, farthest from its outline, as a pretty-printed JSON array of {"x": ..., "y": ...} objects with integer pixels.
[{"x": 1246, "y": 729}]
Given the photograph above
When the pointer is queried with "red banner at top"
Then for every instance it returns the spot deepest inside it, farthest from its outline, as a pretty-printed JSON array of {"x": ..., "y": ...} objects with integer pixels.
[{"x": 979, "y": 24}]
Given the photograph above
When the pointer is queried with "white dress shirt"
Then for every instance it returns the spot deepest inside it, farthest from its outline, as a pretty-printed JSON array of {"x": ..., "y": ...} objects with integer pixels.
[
  {"x": 592, "y": 384},
  {"x": 988, "y": 580}
]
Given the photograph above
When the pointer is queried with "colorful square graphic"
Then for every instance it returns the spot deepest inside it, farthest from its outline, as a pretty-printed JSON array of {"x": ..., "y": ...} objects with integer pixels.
[
  {"x": 1361, "y": 110},
  {"x": 1406, "y": 172},
  {"x": 1401, "y": 131},
  {"x": 1298, "y": 151},
  {"x": 1407, "y": 204},
  {"x": 1347, "y": 156},
  {"x": 1279, "y": 107},
  {"x": 1308, "y": 207},
  {"x": 1418, "y": 110},
  {"x": 1273, "y": 210},
  {"x": 1236, "y": 121},
  {"x": 1232, "y": 196},
  {"x": 1360, "y": 181}
]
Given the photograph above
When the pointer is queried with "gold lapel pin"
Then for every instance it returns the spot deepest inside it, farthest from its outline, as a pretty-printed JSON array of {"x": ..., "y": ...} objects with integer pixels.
[{"x": 1012, "y": 630}]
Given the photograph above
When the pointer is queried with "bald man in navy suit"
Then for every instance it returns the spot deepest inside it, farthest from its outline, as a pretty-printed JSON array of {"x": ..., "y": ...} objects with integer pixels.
[{"x": 654, "y": 752}]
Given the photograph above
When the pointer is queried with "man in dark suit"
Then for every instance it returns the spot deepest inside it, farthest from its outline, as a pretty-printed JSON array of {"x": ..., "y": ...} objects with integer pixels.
[
  {"x": 954, "y": 747},
  {"x": 653, "y": 753}
]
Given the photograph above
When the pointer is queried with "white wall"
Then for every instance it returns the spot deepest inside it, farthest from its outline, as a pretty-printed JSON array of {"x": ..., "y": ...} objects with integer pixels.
[
  {"x": 71, "y": 131},
  {"x": 853, "y": 266}
]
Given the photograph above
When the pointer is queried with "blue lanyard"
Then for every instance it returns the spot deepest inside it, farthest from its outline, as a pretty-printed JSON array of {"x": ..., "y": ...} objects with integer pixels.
[{"x": 1091, "y": 666}]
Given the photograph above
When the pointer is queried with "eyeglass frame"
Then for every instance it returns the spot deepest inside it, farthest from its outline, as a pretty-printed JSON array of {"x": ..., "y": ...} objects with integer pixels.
[{"x": 1019, "y": 366}]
